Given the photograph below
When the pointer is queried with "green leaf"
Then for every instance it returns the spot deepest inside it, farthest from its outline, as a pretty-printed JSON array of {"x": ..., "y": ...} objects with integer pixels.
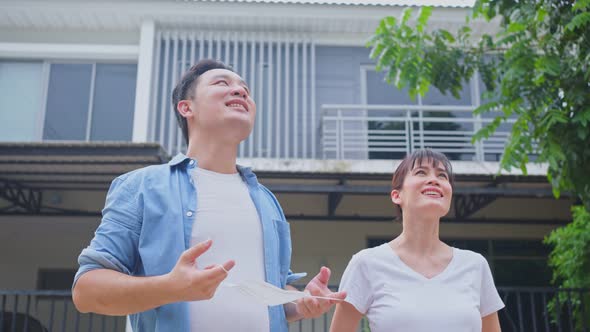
[
  {"x": 447, "y": 36},
  {"x": 516, "y": 27},
  {"x": 390, "y": 21},
  {"x": 406, "y": 14},
  {"x": 579, "y": 21},
  {"x": 541, "y": 15},
  {"x": 581, "y": 4},
  {"x": 423, "y": 16}
]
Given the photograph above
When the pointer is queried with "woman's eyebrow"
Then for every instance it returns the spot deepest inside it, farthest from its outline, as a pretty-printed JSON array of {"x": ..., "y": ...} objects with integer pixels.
[{"x": 428, "y": 167}]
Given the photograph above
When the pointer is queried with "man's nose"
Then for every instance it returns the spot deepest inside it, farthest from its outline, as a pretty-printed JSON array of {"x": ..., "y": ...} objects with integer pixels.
[{"x": 240, "y": 91}]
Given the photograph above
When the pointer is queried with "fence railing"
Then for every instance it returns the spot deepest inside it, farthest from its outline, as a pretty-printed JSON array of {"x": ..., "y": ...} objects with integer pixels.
[
  {"x": 391, "y": 131},
  {"x": 45, "y": 311},
  {"x": 527, "y": 310}
]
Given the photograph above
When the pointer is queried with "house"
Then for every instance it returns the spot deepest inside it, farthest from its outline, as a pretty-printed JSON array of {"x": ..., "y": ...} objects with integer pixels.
[{"x": 85, "y": 96}]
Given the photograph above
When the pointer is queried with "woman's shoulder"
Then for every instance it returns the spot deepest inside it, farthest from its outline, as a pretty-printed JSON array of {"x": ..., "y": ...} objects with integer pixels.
[
  {"x": 468, "y": 256},
  {"x": 370, "y": 254}
]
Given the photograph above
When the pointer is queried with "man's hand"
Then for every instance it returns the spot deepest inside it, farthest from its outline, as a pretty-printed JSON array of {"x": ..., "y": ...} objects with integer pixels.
[
  {"x": 310, "y": 307},
  {"x": 191, "y": 284}
]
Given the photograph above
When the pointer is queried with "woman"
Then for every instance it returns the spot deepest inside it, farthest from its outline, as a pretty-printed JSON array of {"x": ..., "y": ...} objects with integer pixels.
[{"x": 416, "y": 282}]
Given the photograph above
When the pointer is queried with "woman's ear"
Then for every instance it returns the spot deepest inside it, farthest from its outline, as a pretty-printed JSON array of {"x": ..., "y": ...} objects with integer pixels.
[
  {"x": 184, "y": 108},
  {"x": 395, "y": 197}
]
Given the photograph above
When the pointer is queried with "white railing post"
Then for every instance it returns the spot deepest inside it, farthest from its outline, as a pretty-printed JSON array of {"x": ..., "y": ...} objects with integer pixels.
[
  {"x": 339, "y": 136},
  {"x": 409, "y": 139},
  {"x": 145, "y": 65},
  {"x": 313, "y": 105}
]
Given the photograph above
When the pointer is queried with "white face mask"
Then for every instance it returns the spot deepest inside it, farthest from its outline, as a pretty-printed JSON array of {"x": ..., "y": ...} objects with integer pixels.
[{"x": 269, "y": 294}]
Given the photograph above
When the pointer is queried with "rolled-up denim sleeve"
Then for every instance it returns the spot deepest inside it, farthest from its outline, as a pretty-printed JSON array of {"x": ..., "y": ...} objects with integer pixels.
[{"x": 115, "y": 242}]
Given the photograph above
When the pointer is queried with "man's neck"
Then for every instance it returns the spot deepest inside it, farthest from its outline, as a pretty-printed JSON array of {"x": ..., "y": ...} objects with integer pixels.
[{"x": 214, "y": 156}]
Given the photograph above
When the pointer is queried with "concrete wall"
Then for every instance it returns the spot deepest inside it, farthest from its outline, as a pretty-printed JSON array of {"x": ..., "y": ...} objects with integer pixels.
[{"x": 28, "y": 244}]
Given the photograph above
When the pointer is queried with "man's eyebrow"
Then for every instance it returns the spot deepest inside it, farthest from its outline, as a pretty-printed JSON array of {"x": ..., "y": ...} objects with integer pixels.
[{"x": 228, "y": 77}]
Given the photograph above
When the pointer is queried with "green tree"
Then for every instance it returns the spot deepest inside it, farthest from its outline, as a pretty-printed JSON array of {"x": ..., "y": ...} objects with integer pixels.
[{"x": 536, "y": 70}]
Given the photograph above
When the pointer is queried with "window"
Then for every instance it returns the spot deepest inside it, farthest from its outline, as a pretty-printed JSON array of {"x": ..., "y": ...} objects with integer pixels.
[
  {"x": 20, "y": 100},
  {"x": 68, "y": 96},
  {"x": 66, "y": 101},
  {"x": 96, "y": 99},
  {"x": 55, "y": 279}
]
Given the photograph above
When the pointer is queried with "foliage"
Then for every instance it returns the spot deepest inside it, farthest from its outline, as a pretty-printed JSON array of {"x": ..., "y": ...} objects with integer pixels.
[
  {"x": 536, "y": 72},
  {"x": 570, "y": 263}
]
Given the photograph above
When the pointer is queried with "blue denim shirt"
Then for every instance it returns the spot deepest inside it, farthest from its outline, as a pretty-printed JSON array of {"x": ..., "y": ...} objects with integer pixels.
[{"x": 147, "y": 223}]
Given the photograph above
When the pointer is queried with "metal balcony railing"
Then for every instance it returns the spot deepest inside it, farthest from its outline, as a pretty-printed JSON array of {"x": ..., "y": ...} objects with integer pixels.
[
  {"x": 526, "y": 310},
  {"x": 392, "y": 131}
]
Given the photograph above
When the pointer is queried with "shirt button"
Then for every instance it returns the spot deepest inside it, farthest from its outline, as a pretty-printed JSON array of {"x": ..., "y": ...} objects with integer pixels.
[
  {"x": 189, "y": 214},
  {"x": 192, "y": 162}
]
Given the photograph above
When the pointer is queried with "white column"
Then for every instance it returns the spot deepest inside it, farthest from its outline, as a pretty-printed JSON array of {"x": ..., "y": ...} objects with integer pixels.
[{"x": 143, "y": 91}]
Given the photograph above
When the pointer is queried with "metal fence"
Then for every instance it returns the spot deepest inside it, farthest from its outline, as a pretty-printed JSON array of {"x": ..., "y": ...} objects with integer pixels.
[
  {"x": 392, "y": 131},
  {"x": 44, "y": 311},
  {"x": 526, "y": 311}
]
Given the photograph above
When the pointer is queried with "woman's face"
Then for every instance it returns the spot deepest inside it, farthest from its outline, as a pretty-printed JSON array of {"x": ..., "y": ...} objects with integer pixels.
[{"x": 426, "y": 190}]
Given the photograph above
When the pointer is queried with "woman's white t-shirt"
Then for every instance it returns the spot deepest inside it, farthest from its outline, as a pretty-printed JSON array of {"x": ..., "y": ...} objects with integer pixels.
[{"x": 394, "y": 297}]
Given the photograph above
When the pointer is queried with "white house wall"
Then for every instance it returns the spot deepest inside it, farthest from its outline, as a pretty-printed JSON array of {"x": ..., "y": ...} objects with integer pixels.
[{"x": 32, "y": 243}]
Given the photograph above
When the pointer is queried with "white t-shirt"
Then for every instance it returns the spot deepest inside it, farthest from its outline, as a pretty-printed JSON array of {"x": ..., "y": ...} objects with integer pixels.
[
  {"x": 226, "y": 214},
  {"x": 396, "y": 298}
]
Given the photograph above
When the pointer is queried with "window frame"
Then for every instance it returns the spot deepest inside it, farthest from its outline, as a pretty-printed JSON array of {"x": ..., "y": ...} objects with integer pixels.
[{"x": 45, "y": 86}]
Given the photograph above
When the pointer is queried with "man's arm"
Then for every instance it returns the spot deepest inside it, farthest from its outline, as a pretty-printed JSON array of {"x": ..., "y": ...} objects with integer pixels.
[
  {"x": 110, "y": 292},
  {"x": 310, "y": 307}
]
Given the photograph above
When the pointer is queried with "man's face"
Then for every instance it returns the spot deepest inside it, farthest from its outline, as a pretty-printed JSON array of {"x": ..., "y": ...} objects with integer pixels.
[{"x": 222, "y": 105}]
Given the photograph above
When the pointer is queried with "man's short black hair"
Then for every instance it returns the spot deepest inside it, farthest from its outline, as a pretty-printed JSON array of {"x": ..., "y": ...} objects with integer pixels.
[{"x": 185, "y": 88}]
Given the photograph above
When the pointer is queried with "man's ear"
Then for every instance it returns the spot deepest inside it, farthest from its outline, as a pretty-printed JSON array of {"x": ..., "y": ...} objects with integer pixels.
[
  {"x": 395, "y": 197},
  {"x": 184, "y": 108}
]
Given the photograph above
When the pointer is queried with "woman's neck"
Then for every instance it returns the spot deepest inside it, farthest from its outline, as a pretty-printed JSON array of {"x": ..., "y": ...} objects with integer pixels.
[{"x": 420, "y": 235}]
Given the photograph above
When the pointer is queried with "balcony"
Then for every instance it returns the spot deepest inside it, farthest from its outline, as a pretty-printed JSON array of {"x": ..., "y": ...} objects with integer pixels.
[{"x": 392, "y": 131}]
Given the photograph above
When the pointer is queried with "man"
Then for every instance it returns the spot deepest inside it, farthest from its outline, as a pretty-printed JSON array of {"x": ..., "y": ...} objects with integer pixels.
[{"x": 170, "y": 234}]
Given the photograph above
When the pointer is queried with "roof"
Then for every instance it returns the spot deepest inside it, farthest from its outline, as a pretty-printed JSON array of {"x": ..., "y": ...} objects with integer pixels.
[
  {"x": 405, "y": 3},
  {"x": 340, "y": 19},
  {"x": 74, "y": 165},
  {"x": 71, "y": 179}
]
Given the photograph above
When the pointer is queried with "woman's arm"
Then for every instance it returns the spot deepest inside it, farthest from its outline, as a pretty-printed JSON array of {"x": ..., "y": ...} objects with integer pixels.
[
  {"x": 490, "y": 323},
  {"x": 346, "y": 318}
]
